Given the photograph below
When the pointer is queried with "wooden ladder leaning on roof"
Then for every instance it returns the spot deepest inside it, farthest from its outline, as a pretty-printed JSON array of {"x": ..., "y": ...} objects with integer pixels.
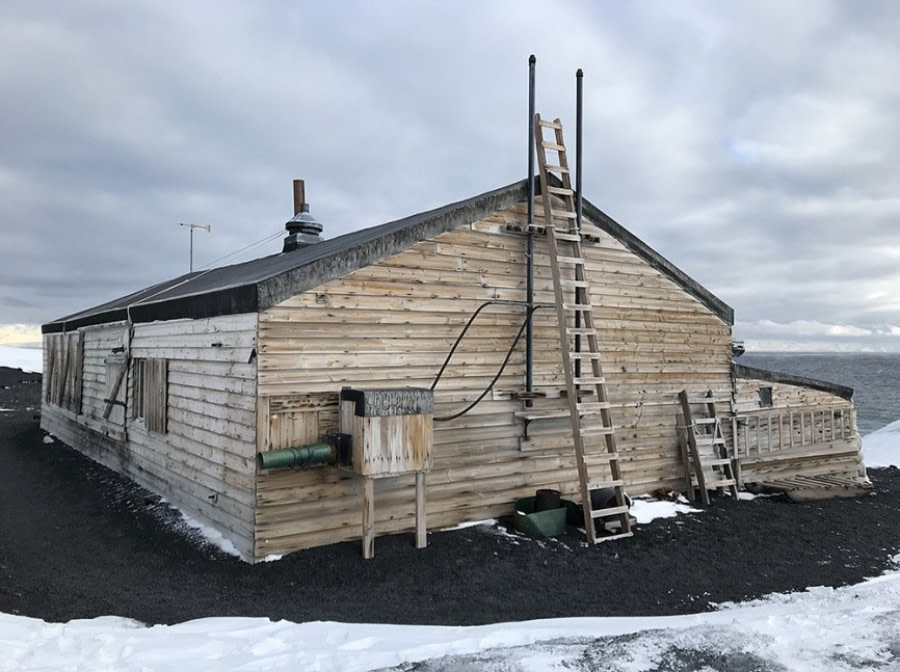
[
  {"x": 590, "y": 419},
  {"x": 699, "y": 435}
]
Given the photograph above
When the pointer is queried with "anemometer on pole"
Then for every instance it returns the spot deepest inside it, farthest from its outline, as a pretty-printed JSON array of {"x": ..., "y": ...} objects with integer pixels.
[{"x": 202, "y": 227}]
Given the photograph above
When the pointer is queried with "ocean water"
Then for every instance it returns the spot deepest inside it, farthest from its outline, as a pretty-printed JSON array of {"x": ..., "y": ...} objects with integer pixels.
[{"x": 875, "y": 379}]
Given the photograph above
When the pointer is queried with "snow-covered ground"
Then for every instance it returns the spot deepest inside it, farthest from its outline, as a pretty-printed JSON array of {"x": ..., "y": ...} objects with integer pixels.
[
  {"x": 881, "y": 448},
  {"x": 27, "y": 359},
  {"x": 852, "y": 628}
]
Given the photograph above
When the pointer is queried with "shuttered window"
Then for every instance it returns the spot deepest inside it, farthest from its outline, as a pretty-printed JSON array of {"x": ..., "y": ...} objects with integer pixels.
[
  {"x": 64, "y": 371},
  {"x": 150, "y": 393}
]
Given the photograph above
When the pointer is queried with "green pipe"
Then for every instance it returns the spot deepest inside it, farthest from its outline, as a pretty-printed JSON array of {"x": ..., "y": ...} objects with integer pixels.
[{"x": 297, "y": 457}]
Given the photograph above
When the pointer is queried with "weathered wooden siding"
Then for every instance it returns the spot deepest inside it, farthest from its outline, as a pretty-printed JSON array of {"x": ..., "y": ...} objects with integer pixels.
[
  {"x": 805, "y": 432},
  {"x": 98, "y": 344},
  {"x": 393, "y": 325},
  {"x": 205, "y": 462}
]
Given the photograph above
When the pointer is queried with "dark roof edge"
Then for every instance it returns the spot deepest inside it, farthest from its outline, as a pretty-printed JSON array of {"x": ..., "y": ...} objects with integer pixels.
[
  {"x": 228, "y": 301},
  {"x": 409, "y": 230},
  {"x": 657, "y": 261},
  {"x": 842, "y": 391}
]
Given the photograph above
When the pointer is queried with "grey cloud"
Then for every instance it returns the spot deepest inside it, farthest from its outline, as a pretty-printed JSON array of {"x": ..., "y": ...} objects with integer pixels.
[{"x": 754, "y": 145}]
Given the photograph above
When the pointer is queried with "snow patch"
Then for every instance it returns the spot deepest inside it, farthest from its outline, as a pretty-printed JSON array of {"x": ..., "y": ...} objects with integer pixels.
[
  {"x": 48, "y": 439},
  {"x": 212, "y": 536},
  {"x": 646, "y": 510},
  {"x": 881, "y": 448},
  {"x": 470, "y": 523}
]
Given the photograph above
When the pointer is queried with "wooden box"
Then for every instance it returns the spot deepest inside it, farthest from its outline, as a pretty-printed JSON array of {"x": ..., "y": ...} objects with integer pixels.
[{"x": 391, "y": 430}]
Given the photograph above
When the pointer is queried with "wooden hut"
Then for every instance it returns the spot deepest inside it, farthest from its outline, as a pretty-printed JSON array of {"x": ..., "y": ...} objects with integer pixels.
[{"x": 182, "y": 385}]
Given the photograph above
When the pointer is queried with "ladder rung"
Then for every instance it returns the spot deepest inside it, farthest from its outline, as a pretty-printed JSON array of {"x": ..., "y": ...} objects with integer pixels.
[
  {"x": 563, "y": 214},
  {"x": 574, "y": 283},
  {"x": 550, "y": 124},
  {"x": 546, "y": 144},
  {"x": 561, "y": 191},
  {"x": 550, "y": 168},
  {"x": 589, "y": 380},
  {"x": 705, "y": 421},
  {"x": 605, "y": 484},
  {"x": 577, "y": 261},
  {"x": 611, "y": 511},
  {"x": 708, "y": 400},
  {"x": 581, "y": 331},
  {"x": 592, "y": 406},
  {"x": 608, "y": 457},
  {"x": 567, "y": 237},
  {"x": 717, "y": 463},
  {"x": 585, "y": 355},
  {"x": 542, "y": 415},
  {"x": 577, "y": 307},
  {"x": 595, "y": 431},
  {"x": 720, "y": 484}
]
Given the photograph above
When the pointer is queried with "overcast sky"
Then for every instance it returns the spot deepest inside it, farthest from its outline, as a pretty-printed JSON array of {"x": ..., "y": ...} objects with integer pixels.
[{"x": 755, "y": 144}]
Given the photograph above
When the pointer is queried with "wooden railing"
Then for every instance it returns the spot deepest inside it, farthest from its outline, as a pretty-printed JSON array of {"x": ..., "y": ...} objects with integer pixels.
[{"x": 770, "y": 430}]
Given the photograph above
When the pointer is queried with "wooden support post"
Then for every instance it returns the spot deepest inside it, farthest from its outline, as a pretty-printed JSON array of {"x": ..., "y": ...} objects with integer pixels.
[
  {"x": 421, "y": 528},
  {"x": 689, "y": 491},
  {"x": 734, "y": 437},
  {"x": 368, "y": 522}
]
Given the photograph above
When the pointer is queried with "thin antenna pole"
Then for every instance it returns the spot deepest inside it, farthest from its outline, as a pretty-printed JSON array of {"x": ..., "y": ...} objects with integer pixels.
[
  {"x": 529, "y": 252},
  {"x": 202, "y": 227},
  {"x": 579, "y": 77}
]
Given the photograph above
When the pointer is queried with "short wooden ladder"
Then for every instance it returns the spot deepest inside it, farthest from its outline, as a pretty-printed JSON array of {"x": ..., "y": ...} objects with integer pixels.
[
  {"x": 589, "y": 413},
  {"x": 703, "y": 447}
]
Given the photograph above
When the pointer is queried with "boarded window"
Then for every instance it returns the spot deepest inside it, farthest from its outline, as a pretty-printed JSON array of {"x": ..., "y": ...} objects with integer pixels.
[
  {"x": 150, "y": 393},
  {"x": 765, "y": 397},
  {"x": 64, "y": 371}
]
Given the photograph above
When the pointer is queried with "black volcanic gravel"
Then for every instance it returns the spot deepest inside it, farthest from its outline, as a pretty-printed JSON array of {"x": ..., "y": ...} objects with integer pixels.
[{"x": 79, "y": 541}]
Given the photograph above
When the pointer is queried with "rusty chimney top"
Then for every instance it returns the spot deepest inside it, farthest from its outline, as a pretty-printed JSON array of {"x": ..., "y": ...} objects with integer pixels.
[{"x": 303, "y": 229}]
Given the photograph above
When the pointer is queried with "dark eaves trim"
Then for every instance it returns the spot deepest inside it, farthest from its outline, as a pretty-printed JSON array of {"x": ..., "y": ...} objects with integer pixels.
[
  {"x": 229, "y": 301},
  {"x": 741, "y": 371}
]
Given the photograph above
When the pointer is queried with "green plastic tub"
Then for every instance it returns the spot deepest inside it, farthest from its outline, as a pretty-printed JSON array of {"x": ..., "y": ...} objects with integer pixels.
[{"x": 540, "y": 524}]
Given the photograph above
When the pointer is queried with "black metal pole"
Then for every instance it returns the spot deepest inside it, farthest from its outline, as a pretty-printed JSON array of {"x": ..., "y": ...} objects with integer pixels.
[
  {"x": 579, "y": 102},
  {"x": 529, "y": 250},
  {"x": 579, "y": 76}
]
